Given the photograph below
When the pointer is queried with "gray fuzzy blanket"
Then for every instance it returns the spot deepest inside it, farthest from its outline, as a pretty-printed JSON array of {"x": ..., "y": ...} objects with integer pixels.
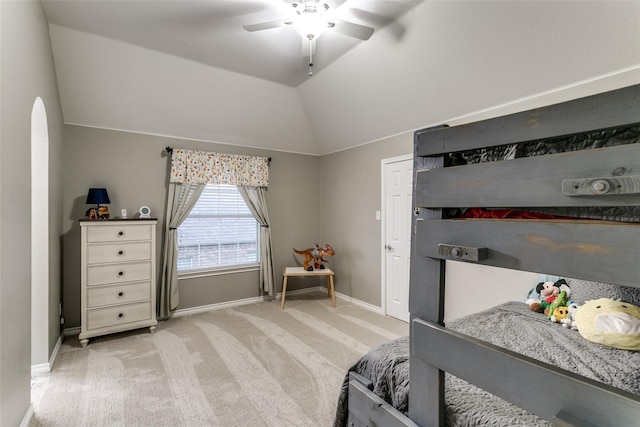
[{"x": 510, "y": 325}]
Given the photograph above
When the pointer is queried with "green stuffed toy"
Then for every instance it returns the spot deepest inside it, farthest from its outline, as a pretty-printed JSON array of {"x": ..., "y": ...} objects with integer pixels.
[
  {"x": 610, "y": 322},
  {"x": 560, "y": 301}
]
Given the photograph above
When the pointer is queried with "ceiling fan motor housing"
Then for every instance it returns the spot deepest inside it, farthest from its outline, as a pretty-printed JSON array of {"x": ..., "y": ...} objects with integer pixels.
[{"x": 310, "y": 6}]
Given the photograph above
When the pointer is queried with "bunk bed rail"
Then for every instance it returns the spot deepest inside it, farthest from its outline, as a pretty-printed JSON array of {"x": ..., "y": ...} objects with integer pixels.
[
  {"x": 606, "y": 110},
  {"x": 591, "y": 250},
  {"x": 565, "y": 397}
]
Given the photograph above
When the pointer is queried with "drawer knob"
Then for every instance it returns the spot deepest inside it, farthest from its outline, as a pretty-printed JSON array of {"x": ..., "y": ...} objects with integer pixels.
[
  {"x": 120, "y": 273},
  {"x": 120, "y": 315},
  {"x": 120, "y": 252},
  {"x": 120, "y": 294},
  {"x": 120, "y": 233}
]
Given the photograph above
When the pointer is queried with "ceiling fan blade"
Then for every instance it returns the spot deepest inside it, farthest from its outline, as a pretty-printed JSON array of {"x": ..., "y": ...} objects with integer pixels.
[
  {"x": 305, "y": 47},
  {"x": 350, "y": 29},
  {"x": 265, "y": 25}
]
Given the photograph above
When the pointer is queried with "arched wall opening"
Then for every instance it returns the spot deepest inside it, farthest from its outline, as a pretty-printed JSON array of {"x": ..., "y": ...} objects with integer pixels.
[{"x": 39, "y": 237}]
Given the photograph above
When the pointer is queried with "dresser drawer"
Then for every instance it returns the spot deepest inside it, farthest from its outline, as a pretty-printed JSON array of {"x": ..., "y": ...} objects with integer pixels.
[
  {"x": 104, "y": 317},
  {"x": 119, "y": 294},
  {"x": 118, "y": 233},
  {"x": 118, "y": 252},
  {"x": 130, "y": 272}
]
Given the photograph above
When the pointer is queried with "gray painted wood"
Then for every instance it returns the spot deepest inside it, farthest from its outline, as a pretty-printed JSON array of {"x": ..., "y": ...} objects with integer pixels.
[
  {"x": 425, "y": 296},
  {"x": 518, "y": 379},
  {"x": 366, "y": 409},
  {"x": 606, "y": 110},
  {"x": 538, "y": 179},
  {"x": 594, "y": 250},
  {"x": 569, "y": 420},
  {"x": 426, "y": 391},
  {"x": 426, "y": 300}
]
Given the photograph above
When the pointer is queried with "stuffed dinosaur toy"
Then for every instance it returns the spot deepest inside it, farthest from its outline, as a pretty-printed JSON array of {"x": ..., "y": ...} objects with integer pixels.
[
  {"x": 610, "y": 322},
  {"x": 313, "y": 257}
]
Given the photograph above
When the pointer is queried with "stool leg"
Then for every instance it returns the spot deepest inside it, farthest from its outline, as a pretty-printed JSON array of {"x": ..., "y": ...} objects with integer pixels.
[
  {"x": 333, "y": 292},
  {"x": 284, "y": 292}
]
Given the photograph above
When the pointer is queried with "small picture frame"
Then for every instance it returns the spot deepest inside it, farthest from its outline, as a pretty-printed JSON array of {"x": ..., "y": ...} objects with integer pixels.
[{"x": 145, "y": 212}]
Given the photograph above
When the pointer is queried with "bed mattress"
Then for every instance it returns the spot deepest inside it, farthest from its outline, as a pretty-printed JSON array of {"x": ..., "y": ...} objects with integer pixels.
[{"x": 510, "y": 325}]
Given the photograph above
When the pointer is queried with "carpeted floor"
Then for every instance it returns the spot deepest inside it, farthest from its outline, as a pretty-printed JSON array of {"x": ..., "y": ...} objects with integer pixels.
[{"x": 251, "y": 365}]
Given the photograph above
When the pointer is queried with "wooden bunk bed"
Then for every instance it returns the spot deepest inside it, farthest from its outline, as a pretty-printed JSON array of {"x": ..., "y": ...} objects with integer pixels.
[{"x": 593, "y": 182}]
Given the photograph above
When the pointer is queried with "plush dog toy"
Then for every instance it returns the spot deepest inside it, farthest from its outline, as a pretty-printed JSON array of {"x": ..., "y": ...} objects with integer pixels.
[
  {"x": 570, "y": 321},
  {"x": 610, "y": 322}
]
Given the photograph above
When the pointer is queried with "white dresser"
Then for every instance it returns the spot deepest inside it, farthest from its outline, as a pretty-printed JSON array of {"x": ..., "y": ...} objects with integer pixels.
[{"x": 118, "y": 276}]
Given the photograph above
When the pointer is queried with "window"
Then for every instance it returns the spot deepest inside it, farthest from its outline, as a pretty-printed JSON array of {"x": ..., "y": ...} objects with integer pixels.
[{"x": 219, "y": 232}]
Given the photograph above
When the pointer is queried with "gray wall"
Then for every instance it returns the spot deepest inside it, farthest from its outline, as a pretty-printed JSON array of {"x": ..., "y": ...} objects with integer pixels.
[
  {"x": 351, "y": 192},
  {"x": 27, "y": 72},
  {"x": 134, "y": 170}
]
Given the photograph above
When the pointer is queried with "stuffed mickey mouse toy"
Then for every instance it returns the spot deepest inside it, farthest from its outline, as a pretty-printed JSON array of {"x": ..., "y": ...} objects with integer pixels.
[{"x": 548, "y": 291}]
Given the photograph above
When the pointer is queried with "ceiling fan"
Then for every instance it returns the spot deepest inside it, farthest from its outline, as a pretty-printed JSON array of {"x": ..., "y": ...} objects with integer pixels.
[{"x": 310, "y": 18}]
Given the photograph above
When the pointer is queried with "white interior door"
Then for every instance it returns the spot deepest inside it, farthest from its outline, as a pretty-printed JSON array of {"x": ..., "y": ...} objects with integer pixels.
[{"x": 398, "y": 177}]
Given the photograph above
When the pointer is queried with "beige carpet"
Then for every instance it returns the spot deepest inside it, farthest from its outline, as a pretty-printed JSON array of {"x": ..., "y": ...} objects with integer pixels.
[{"x": 251, "y": 365}]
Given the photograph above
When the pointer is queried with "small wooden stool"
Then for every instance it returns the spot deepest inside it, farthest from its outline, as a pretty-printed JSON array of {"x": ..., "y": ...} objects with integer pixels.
[{"x": 299, "y": 271}]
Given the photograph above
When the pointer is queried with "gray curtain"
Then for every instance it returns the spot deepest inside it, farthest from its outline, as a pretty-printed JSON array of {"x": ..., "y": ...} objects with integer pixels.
[
  {"x": 180, "y": 201},
  {"x": 255, "y": 199}
]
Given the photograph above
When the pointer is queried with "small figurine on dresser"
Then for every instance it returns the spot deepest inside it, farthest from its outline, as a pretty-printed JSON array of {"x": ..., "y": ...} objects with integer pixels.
[{"x": 102, "y": 213}]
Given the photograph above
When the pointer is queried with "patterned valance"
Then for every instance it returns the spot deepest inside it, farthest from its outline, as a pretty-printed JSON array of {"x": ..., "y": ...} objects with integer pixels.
[{"x": 201, "y": 167}]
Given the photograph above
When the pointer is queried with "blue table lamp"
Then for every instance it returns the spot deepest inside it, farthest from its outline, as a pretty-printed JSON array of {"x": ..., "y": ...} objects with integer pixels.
[{"x": 98, "y": 196}]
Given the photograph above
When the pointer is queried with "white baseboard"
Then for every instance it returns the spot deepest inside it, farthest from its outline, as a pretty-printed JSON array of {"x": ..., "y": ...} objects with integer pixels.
[
  {"x": 27, "y": 417},
  {"x": 227, "y": 304},
  {"x": 352, "y": 300},
  {"x": 69, "y": 332},
  {"x": 217, "y": 306},
  {"x": 44, "y": 368},
  {"x": 304, "y": 291},
  {"x": 360, "y": 303}
]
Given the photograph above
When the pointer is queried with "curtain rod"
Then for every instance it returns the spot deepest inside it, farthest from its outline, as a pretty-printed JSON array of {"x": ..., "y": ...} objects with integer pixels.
[{"x": 169, "y": 150}]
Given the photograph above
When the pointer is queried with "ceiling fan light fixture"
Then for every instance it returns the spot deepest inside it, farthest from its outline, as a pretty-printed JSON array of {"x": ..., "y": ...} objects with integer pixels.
[{"x": 310, "y": 21}]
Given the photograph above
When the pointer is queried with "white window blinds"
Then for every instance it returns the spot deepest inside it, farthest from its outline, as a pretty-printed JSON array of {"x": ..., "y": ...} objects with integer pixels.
[{"x": 219, "y": 232}]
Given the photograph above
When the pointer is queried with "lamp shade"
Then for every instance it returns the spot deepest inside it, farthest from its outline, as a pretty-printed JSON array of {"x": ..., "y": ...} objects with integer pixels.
[{"x": 97, "y": 196}]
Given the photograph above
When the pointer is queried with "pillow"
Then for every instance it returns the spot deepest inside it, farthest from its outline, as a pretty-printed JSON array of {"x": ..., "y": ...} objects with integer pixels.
[
  {"x": 585, "y": 290},
  {"x": 609, "y": 322}
]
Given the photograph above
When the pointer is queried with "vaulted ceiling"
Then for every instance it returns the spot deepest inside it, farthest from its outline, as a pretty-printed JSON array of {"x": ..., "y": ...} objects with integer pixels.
[{"x": 188, "y": 69}]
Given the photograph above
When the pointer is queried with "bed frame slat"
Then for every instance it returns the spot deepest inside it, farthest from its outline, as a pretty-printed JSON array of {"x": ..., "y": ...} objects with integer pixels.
[
  {"x": 615, "y": 108},
  {"x": 593, "y": 250},
  {"x": 517, "y": 378},
  {"x": 368, "y": 410},
  {"x": 503, "y": 184}
]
